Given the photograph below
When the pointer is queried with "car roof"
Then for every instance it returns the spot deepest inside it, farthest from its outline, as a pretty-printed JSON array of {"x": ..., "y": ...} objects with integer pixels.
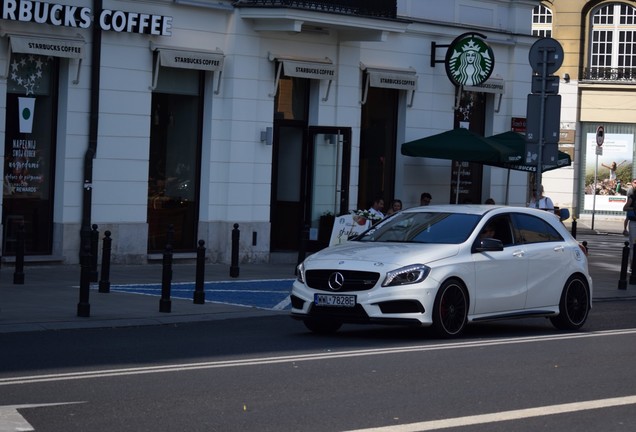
[
  {"x": 477, "y": 209},
  {"x": 481, "y": 209}
]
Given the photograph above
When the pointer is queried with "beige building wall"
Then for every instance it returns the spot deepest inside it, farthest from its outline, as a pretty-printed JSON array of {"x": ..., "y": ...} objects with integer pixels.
[{"x": 583, "y": 102}]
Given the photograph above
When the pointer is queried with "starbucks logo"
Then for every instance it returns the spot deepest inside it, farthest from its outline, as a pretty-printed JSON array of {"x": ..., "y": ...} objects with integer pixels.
[
  {"x": 26, "y": 113},
  {"x": 469, "y": 61}
]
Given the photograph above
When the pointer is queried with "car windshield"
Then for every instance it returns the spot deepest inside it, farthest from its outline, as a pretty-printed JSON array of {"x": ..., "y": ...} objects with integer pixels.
[{"x": 423, "y": 227}]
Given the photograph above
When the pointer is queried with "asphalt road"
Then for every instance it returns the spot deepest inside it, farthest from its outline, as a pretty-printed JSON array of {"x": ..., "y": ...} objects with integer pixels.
[{"x": 270, "y": 374}]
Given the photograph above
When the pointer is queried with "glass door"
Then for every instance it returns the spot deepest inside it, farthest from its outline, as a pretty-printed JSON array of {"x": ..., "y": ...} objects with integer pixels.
[
  {"x": 329, "y": 185},
  {"x": 174, "y": 160}
]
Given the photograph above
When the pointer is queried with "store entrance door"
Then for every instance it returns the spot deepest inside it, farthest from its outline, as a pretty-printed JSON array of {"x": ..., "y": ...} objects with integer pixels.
[{"x": 310, "y": 183}]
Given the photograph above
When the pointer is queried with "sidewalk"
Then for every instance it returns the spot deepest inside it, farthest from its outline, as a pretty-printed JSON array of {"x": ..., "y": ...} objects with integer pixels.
[
  {"x": 48, "y": 300},
  {"x": 49, "y": 297}
]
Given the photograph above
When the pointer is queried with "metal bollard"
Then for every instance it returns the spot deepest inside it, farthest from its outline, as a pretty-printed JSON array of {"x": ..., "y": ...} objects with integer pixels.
[
  {"x": 84, "y": 307},
  {"x": 18, "y": 274},
  {"x": 199, "y": 293},
  {"x": 165, "y": 304},
  {"x": 574, "y": 227},
  {"x": 234, "y": 266},
  {"x": 94, "y": 248},
  {"x": 104, "y": 283},
  {"x": 622, "y": 281}
]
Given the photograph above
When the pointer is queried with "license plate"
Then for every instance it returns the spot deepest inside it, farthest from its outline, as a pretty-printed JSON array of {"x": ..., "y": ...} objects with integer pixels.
[{"x": 334, "y": 300}]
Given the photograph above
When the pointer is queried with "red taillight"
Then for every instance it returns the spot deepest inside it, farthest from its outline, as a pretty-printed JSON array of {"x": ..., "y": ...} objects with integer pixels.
[{"x": 583, "y": 247}]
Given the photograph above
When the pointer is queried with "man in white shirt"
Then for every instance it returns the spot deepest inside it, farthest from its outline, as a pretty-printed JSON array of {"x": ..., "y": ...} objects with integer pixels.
[{"x": 377, "y": 207}]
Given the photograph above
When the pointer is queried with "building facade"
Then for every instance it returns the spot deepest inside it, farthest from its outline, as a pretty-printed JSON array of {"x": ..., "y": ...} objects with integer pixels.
[
  {"x": 175, "y": 121},
  {"x": 598, "y": 87}
]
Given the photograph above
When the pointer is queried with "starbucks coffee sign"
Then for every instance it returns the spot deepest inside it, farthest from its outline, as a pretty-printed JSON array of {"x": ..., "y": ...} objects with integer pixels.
[
  {"x": 469, "y": 60},
  {"x": 82, "y": 17}
]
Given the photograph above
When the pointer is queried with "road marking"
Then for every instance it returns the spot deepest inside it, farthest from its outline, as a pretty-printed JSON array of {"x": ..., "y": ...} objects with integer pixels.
[
  {"x": 505, "y": 415},
  {"x": 302, "y": 357},
  {"x": 12, "y": 421}
]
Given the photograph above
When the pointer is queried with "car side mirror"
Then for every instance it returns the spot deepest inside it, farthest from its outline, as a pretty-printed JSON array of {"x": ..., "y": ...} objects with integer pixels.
[{"x": 488, "y": 245}]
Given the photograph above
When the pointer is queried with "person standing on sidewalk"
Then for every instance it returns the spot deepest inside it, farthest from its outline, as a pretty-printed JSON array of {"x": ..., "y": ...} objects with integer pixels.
[{"x": 631, "y": 216}]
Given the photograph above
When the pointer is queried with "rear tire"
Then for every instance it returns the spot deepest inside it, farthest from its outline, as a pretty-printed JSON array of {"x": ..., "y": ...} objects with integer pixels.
[
  {"x": 322, "y": 326},
  {"x": 574, "y": 305},
  {"x": 450, "y": 310}
]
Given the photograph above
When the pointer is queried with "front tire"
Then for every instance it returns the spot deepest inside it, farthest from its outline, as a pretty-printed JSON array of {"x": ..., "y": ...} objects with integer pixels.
[
  {"x": 450, "y": 310},
  {"x": 322, "y": 326},
  {"x": 574, "y": 305}
]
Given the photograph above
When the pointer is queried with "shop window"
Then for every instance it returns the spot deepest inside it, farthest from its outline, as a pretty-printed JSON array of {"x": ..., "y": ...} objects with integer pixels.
[
  {"x": 175, "y": 153},
  {"x": 31, "y": 118}
]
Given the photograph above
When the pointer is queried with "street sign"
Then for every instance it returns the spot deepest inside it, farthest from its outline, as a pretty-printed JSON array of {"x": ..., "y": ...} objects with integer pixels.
[
  {"x": 551, "y": 84},
  {"x": 552, "y": 119},
  {"x": 600, "y": 135},
  {"x": 548, "y": 51}
]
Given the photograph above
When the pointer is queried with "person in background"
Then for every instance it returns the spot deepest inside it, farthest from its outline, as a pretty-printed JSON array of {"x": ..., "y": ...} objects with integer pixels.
[
  {"x": 540, "y": 201},
  {"x": 377, "y": 207},
  {"x": 425, "y": 199},
  {"x": 489, "y": 201},
  {"x": 630, "y": 191},
  {"x": 631, "y": 231},
  {"x": 396, "y": 206}
]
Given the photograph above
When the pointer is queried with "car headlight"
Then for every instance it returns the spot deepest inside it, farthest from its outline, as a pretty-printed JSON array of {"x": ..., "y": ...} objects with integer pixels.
[
  {"x": 300, "y": 273},
  {"x": 406, "y": 275}
]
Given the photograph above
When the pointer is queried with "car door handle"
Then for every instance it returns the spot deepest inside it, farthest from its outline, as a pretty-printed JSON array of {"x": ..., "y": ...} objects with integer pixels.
[
  {"x": 518, "y": 253},
  {"x": 559, "y": 248}
]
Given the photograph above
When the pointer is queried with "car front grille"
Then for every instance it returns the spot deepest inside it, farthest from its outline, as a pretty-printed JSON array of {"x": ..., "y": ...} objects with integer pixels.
[
  {"x": 352, "y": 315},
  {"x": 351, "y": 280}
]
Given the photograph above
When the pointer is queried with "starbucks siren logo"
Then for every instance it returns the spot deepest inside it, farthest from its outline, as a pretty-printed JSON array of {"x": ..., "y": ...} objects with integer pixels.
[{"x": 469, "y": 61}]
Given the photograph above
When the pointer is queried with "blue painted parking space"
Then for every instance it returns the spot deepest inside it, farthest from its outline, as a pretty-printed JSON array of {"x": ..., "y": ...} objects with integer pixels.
[{"x": 265, "y": 294}]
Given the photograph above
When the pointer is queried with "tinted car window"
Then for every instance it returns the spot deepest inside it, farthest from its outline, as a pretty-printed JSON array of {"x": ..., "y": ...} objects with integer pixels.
[
  {"x": 423, "y": 227},
  {"x": 502, "y": 229},
  {"x": 532, "y": 229}
]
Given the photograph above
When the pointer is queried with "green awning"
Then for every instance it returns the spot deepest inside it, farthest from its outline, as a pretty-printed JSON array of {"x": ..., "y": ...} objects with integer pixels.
[
  {"x": 461, "y": 145},
  {"x": 516, "y": 143}
]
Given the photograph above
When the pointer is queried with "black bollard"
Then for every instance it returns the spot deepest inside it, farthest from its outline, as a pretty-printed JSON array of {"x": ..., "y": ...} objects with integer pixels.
[
  {"x": 234, "y": 266},
  {"x": 94, "y": 248},
  {"x": 622, "y": 281},
  {"x": 574, "y": 228},
  {"x": 302, "y": 250},
  {"x": 104, "y": 283},
  {"x": 18, "y": 274},
  {"x": 84, "y": 307},
  {"x": 199, "y": 293},
  {"x": 165, "y": 304}
]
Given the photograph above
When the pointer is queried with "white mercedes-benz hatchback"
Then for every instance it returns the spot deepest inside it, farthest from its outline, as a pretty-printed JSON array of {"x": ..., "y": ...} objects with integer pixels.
[{"x": 446, "y": 266}]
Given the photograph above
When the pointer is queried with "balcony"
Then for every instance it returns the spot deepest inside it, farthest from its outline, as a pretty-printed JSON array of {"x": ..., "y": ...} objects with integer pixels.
[
  {"x": 606, "y": 75},
  {"x": 386, "y": 9},
  {"x": 350, "y": 20}
]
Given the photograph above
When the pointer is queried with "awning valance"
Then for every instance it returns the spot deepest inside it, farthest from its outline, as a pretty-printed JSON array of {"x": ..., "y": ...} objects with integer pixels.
[
  {"x": 188, "y": 59},
  {"x": 47, "y": 46},
  {"x": 300, "y": 67},
  {"x": 70, "y": 47},
  {"x": 491, "y": 85},
  {"x": 393, "y": 78}
]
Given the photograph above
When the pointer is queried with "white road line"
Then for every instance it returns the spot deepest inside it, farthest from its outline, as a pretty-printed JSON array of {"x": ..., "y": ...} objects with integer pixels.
[
  {"x": 259, "y": 361},
  {"x": 505, "y": 415},
  {"x": 282, "y": 305},
  {"x": 12, "y": 421}
]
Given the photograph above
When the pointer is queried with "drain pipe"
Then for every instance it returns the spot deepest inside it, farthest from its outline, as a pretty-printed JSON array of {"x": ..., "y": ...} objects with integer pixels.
[{"x": 83, "y": 307}]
